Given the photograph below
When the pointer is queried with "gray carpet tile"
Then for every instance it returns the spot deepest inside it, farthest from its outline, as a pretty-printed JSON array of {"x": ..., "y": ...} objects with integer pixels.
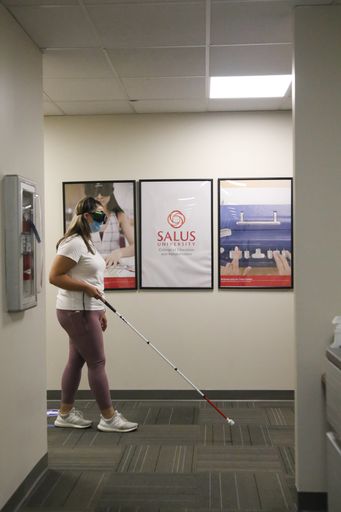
[
  {"x": 183, "y": 458},
  {"x": 288, "y": 459},
  {"x": 241, "y": 416},
  {"x": 257, "y": 491},
  {"x": 91, "y": 437},
  {"x": 249, "y": 491},
  {"x": 290, "y": 484},
  {"x": 281, "y": 435},
  {"x": 104, "y": 458},
  {"x": 281, "y": 415},
  {"x": 67, "y": 490},
  {"x": 236, "y": 458},
  {"x": 154, "y": 491},
  {"x": 120, "y": 508},
  {"x": 249, "y": 434},
  {"x": 167, "y": 434},
  {"x": 157, "y": 459}
]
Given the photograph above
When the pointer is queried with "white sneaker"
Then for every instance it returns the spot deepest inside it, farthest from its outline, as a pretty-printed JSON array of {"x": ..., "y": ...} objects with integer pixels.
[
  {"x": 74, "y": 419},
  {"x": 117, "y": 423}
]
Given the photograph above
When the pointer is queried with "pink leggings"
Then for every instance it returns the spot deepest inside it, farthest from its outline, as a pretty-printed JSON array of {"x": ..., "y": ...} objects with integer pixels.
[{"x": 85, "y": 345}]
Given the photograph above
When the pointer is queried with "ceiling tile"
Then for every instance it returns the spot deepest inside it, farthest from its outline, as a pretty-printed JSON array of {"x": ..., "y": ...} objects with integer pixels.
[
  {"x": 50, "y": 109},
  {"x": 286, "y": 103},
  {"x": 155, "y": 24},
  {"x": 60, "y": 26},
  {"x": 78, "y": 63},
  {"x": 251, "y": 22},
  {"x": 265, "y": 59},
  {"x": 158, "y": 50},
  {"x": 165, "y": 88},
  {"x": 95, "y": 107},
  {"x": 156, "y": 62},
  {"x": 149, "y": 106},
  {"x": 60, "y": 89}
]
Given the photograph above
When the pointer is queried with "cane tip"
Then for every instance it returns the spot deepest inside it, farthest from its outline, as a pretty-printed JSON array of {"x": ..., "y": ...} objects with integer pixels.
[{"x": 230, "y": 422}]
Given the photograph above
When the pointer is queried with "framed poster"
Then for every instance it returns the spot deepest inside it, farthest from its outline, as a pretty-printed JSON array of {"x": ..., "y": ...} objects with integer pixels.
[
  {"x": 116, "y": 239},
  {"x": 255, "y": 233},
  {"x": 176, "y": 244}
]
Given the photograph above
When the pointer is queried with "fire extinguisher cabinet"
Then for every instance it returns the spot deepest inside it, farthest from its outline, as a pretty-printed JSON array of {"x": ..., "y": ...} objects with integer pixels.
[{"x": 21, "y": 237}]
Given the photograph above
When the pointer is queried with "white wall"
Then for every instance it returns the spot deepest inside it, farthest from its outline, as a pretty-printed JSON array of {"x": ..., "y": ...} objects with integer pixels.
[
  {"x": 22, "y": 349},
  {"x": 317, "y": 136},
  {"x": 221, "y": 339}
]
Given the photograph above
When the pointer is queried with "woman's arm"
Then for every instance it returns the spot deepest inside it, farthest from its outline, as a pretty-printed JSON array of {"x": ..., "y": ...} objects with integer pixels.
[{"x": 59, "y": 277}]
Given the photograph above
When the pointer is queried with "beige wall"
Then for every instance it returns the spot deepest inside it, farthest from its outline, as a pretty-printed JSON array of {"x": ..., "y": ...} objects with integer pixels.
[
  {"x": 22, "y": 352},
  {"x": 317, "y": 136},
  {"x": 221, "y": 339}
]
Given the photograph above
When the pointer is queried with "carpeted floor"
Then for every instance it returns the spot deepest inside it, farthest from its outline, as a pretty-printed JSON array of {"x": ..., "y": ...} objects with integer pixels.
[{"x": 183, "y": 457}]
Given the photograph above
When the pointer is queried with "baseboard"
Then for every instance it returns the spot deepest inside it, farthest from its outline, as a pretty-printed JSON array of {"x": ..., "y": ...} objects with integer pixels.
[
  {"x": 312, "y": 501},
  {"x": 26, "y": 486},
  {"x": 182, "y": 394}
]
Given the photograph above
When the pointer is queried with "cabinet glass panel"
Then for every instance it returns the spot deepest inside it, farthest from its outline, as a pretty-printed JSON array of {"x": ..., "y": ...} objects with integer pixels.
[{"x": 27, "y": 244}]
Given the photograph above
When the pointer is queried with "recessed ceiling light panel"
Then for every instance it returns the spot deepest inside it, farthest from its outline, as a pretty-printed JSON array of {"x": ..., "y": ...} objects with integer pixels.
[{"x": 262, "y": 86}]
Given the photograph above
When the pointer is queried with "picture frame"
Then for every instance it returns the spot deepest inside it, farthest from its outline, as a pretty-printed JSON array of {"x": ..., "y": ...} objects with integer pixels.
[
  {"x": 116, "y": 241},
  {"x": 176, "y": 234},
  {"x": 255, "y": 233}
]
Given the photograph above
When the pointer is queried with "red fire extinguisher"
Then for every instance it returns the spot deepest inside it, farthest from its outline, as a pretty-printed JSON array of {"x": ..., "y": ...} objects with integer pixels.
[
  {"x": 27, "y": 267},
  {"x": 27, "y": 252}
]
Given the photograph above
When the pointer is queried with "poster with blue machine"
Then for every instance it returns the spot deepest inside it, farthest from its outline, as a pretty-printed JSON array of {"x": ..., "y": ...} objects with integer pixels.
[{"x": 255, "y": 233}]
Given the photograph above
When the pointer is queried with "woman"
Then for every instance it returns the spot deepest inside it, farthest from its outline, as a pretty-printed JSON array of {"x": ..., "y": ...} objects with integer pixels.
[
  {"x": 78, "y": 271},
  {"x": 111, "y": 239}
]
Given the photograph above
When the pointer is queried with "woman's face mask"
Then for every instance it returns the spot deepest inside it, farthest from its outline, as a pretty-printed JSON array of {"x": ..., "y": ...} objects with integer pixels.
[
  {"x": 99, "y": 218},
  {"x": 95, "y": 226}
]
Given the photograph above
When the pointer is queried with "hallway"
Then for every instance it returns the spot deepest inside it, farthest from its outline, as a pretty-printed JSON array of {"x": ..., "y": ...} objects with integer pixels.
[{"x": 182, "y": 458}]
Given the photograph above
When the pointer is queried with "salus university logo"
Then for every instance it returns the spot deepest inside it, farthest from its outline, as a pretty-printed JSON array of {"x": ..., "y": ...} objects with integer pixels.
[
  {"x": 176, "y": 219},
  {"x": 176, "y": 237}
]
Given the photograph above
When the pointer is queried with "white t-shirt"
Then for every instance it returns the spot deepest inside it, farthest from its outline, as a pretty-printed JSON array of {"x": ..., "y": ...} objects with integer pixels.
[{"x": 90, "y": 268}]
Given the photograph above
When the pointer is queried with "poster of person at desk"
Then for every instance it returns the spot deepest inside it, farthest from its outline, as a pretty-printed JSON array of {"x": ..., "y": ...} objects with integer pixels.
[
  {"x": 255, "y": 233},
  {"x": 116, "y": 239}
]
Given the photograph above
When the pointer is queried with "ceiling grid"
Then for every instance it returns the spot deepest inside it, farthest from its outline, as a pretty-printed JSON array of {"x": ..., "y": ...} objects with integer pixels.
[{"x": 143, "y": 56}]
